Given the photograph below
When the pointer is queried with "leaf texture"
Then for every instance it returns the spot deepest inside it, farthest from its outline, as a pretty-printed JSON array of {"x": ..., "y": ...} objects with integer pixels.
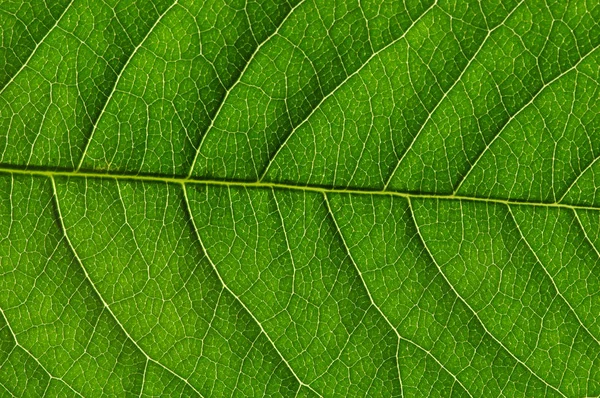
[{"x": 300, "y": 198}]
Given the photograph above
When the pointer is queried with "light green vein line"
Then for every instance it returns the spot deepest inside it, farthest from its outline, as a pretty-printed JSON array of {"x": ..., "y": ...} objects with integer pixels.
[
  {"x": 586, "y": 234},
  {"x": 582, "y": 173},
  {"x": 517, "y": 113},
  {"x": 447, "y": 92},
  {"x": 471, "y": 308},
  {"x": 72, "y": 248},
  {"x": 14, "y": 336},
  {"x": 238, "y": 80},
  {"x": 342, "y": 83},
  {"x": 7, "y": 390},
  {"x": 37, "y": 45},
  {"x": 400, "y": 337},
  {"x": 214, "y": 267},
  {"x": 114, "y": 87},
  {"x": 287, "y": 243},
  {"x": 364, "y": 284},
  {"x": 144, "y": 377},
  {"x": 550, "y": 276},
  {"x": 274, "y": 185}
]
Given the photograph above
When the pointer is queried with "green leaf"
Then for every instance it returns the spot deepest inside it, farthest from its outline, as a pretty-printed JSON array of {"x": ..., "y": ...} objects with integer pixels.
[{"x": 300, "y": 198}]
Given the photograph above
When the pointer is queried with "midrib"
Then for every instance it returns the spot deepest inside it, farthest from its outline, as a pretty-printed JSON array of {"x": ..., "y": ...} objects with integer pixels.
[{"x": 274, "y": 185}]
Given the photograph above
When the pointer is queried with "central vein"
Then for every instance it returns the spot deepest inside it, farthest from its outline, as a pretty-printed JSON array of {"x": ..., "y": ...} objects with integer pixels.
[{"x": 286, "y": 186}]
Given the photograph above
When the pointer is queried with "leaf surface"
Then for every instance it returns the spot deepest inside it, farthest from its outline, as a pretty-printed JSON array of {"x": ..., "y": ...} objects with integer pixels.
[{"x": 300, "y": 198}]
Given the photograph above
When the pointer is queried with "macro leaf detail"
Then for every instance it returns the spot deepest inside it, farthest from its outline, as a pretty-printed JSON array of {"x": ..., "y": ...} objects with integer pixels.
[{"x": 300, "y": 198}]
